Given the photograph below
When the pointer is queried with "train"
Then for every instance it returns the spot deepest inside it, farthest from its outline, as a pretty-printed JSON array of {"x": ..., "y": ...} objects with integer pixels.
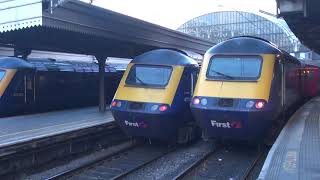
[
  {"x": 310, "y": 76},
  {"x": 153, "y": 97},
  {"x": 44, "y": 84},
  {"x": 244, "y": 86}
]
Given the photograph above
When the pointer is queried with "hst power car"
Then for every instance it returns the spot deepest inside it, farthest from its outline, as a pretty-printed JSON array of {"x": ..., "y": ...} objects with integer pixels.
[
  {"x": 152, "y": 100},
  {"x": 244, "y": 85},
  {"x": 42, "y": 84}
]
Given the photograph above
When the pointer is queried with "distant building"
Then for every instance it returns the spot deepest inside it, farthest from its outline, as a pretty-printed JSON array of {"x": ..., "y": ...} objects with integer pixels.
[{"x": 222, "y": 25}]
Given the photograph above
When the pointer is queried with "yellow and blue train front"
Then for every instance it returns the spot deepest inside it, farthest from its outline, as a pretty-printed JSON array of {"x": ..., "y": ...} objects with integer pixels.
[
  {"x": 232, "y": 98},
  {"x": 143, "y": 119},
  {"x": 148, "y": 106}
]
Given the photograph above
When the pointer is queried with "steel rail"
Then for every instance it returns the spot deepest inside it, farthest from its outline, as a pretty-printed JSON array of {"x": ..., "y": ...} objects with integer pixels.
[
  {"x": 195, "y": 164},
  {"x": 124, "y": 174},
  {"x": 69, "y": 172},
  {"x": 251, "y": 166}
]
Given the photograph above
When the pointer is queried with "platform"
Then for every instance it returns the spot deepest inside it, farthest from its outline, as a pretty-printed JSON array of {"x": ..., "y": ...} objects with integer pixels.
[
  {"x": 296, "y": 152},
  {"x": 20, "y": 129}
]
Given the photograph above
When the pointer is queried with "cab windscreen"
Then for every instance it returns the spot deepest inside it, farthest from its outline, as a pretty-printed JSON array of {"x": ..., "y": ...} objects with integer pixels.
[
  {"x": 149, "y": 75},
  {"x": 235, "y": 68}
]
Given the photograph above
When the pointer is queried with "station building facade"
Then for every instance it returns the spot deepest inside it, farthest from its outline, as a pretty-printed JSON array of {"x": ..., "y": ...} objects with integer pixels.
[{"x": 222, "y": 25}]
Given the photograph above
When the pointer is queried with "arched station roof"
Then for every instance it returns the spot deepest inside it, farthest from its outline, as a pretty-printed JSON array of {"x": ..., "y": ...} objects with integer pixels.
[{"x": 221, "y": 25}]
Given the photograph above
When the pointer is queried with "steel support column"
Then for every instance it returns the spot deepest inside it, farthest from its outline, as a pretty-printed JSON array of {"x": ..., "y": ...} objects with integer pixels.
[{"x": 102, "y": 99}]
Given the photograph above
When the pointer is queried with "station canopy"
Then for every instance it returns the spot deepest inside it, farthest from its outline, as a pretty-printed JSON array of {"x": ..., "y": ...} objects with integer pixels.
[
  {"x": 77, "y": 27},
  {"x": 302, "y": 16}
]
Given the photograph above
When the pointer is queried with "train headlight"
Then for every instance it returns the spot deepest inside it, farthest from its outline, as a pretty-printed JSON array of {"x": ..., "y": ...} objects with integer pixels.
[
  {"x": 119, "y": 104},
  {"x": 249, "y": 104},
  {"x": 196, "y": 101},
  {"x": 204, "y": 101},
  {"x": 154, "y": 107},
  {"x": 260, "y": 104}
]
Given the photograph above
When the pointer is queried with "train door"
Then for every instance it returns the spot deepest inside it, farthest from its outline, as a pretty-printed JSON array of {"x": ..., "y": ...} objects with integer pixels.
[
  {"x": 17, "y": 96},
  {"x": 29, "y": 88},
  {"x": 304, "y": 82},
  {"x": 190, "y": 79},
  {"x": 190, "y": 131},
  {"x": 194, "y": 78},
  {"x": 187, "y": 84},
  {"x": 277, "y": 87}
]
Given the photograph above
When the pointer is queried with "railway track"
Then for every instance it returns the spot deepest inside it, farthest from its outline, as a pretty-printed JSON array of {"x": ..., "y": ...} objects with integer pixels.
[
  {"x": 251, "y": 167},
  {"x": 195, "y": 164},
  {"x": 117, "y": 166},
  {"x": 223, "y": 163}
]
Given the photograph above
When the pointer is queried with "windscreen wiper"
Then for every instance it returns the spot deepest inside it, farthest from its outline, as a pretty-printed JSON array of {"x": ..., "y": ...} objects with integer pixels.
[
  {"x": 222, "y": 74},
  {"x": 143, "y": 83}
]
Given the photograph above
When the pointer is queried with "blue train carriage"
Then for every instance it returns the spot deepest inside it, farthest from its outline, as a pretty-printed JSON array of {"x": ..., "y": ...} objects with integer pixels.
[
  {"x": 152, "y": 100},
  {"x": 40, "y": 84},
  {"x": 244, "y": 85}
]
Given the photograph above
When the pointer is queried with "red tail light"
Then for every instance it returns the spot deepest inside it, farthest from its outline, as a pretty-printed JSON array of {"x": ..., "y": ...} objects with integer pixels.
[
  {"x": 260, "y": 104},
  {"x": 163, "y": 108},
  {"x": 114, "y": 103}
]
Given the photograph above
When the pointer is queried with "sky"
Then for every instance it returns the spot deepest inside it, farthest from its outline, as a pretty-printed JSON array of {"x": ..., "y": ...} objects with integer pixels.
[{"x": 173, "y": 13}]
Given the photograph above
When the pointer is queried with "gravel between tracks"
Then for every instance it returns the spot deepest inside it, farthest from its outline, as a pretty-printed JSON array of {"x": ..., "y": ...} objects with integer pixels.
[{"x": 170, "y": 165}]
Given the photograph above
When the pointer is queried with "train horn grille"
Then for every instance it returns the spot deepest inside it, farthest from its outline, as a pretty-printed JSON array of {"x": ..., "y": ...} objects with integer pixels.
[{"x": 226, "y": 102}]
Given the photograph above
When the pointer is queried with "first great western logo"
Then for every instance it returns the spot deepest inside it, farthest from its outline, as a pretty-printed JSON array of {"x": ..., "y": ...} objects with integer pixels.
[
  {"x": 136, "y": 124},
  {"x": 226, "y": 125}
]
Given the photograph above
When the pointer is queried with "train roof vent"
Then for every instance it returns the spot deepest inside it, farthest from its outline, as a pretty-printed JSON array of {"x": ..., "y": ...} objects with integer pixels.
[
  {"x": 245, "y": 44},
  {"x": 254, "y": 37},
  {"x": 51, "y": 59},
  {"x": 164, "y": 57},
  {"x": 52, "y": 67}
]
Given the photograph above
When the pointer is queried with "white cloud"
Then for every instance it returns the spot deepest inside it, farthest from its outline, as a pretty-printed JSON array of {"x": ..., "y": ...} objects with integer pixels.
[{"x": 173, "y": 13}]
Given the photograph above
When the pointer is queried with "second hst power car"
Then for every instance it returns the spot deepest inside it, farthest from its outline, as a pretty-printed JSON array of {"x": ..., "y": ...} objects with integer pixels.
[{"x": 245, "y": 83}]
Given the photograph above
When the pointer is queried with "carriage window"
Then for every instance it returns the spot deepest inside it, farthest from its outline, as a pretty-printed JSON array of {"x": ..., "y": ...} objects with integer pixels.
[
  {"x": 310, "y": 74},
  {"x": 2, "y": 73},
  {"x": 234, "y": 68},
  {"x": 146, "y": 75}
]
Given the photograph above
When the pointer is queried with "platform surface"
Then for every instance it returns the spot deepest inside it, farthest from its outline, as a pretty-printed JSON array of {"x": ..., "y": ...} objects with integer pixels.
[
  {"x": 25, "y": 128},
  {"x": 296, "y": 152}
]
